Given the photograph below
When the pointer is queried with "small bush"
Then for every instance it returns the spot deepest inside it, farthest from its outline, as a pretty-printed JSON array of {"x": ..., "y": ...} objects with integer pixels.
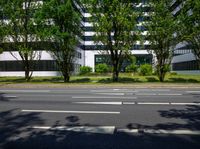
[
  {"x": 167, "y": 68},
  {"x": 102, "y": 68},
  {"x": 131, "y": 68},
  {"x": 85, "y": 70},
  {"x": 173, "y": 73},
  {"x": 146, "y": 70}
]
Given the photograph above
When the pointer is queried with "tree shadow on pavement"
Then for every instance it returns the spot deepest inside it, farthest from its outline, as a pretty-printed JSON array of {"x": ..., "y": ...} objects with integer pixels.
[
  {"x": 12, "y": 124},
  {"x": 54, "y": 139}
]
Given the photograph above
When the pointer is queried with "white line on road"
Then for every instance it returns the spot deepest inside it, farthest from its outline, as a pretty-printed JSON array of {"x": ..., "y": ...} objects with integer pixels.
[
  {"x": 170, "y": 94},
  {"x": 129, "y": 103},
  {"x": 100, "y": 103},
  {"x": 86, "y": 129},
  {"x": 101, "y": 97},
  {"x": 156, "y": 90},
  {"x": 80, "y": 112},
  {"x": 145, "y": 94},
  {"x": 167, "y": 103},
  {"x": 116, "y": 94},
  {"x": 192, "y": 104},
  {"x": 192, "y": 91},
  {"x": 161, "y": 131},
  {"x": 128, "y": 130},
  {"x": 25, "y": 91},
  {"x": 153, "y": 103},
  {"x": 138, "y": 103},
  {"x": 114, "y": 91},
  {"x": 10, "y": 96},
  {"x": 152, "y": 94},
  {"x": 178, "y": 132}
]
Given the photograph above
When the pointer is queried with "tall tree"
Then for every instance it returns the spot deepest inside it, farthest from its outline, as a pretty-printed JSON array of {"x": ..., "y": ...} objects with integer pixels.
[
  {"x": 2, "y": 27},
  {"x": 21, "y": 31},
  {"x": 114, "y": 22},
  {"x": 61, "y": 26},
  {"x": 189, "y": 28},
  {"x": 161, "y": 35}
]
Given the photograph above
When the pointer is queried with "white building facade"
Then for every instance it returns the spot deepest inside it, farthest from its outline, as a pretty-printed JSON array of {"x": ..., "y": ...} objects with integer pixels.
[{"x": 184, "y": 61}]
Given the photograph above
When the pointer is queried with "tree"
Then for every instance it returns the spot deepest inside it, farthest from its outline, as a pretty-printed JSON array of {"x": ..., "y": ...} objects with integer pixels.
[
  {"x": 2, "y": 27},
  {"x": 189, "y": 27},
  {"x": 21, "y": 32},
  {"x": 161, "y": 35},
  {"x": 114, "y": 22},
  {"x": 59, "y": 24}
]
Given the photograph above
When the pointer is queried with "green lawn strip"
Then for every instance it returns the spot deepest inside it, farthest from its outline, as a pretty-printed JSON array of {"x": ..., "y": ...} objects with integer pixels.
[{"x": 104, "y": 79}]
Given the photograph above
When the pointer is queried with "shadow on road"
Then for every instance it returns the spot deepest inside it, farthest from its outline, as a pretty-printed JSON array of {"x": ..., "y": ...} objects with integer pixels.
[
  {"x": 191, "y": 116},
  {"x": 12, "y": 125},
  {"x": 3, "y": 98}
]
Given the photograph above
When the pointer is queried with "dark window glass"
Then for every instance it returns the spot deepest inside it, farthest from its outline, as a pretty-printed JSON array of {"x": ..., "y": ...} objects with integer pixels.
[
  {"x": 190, "y": 65},
  {"x": 42, "y": 65}
]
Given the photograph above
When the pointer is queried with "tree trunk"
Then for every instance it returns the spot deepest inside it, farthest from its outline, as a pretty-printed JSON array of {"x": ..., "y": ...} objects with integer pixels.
[
  {"x": 27, "y": 73},
  {"x": 161, "y": 76},
  {"x": 66, "y": 77},
  {"x": 27, "y": 70},
  {"x": 115, "y": 73}
]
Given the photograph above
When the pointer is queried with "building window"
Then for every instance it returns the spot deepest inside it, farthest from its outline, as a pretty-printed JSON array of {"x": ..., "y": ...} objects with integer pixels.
[
  {"x": 190, "y": 65},
  {"x": 42, "y": 65}
]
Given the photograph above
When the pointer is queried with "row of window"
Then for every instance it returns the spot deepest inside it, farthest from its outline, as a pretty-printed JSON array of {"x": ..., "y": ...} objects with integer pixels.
[
  {"x": 42, "y": 65},
  {"x": 46, "y": 65},
  {"x": 91, "y": 29},
  {"x": 139, "y": 19},
  {"x": 191, "y": 65},
  {"x": 101, "y": 47},
  {"x": 91, "y": 38},
  {"x": 145, "y": 8},
  {"x": 140, "y": 59},
  {"x": 182, "y": 51}
]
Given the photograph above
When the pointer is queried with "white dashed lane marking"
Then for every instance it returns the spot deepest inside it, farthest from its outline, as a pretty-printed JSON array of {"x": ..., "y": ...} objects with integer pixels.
[
  {"x": 86, "y": 129},
  {"x": 160, "y": 131},
  {"x": 79, "y": 112}
]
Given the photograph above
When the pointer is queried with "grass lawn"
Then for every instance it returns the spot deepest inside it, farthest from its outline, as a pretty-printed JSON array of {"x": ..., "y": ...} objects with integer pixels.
[{"x": 104, "y": 79}]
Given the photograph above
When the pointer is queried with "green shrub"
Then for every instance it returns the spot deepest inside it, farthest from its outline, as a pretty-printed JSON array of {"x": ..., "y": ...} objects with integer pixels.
[
  {"x": 85, "y": 70},
  {"x": 1, "y": 50},
  {"x": 173, "y": 73},
  {"x": 146, "y": 70},
  {"x": 102, "y": 68},
  {"x": 131, "y": 68},
  {"x": 167, "y": 68}
]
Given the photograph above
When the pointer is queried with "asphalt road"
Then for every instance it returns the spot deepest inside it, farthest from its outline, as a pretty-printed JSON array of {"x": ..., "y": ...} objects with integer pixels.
[{"x": 79, "y": 118}]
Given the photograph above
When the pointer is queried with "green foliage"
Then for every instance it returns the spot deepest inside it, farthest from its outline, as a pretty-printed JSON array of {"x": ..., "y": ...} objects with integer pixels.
[
  {"x": 189, "y": 26},
  {"x": 132, "y": 59},
  {"x": 102, "y": 68},
  {"x": 167, "y": 68},
  {"x": 146, "y": 70},
  {"x": 173, "y": 73},
  {"x": 59, "y": 25},
  {"x": 161, "y": 29},
  {"x": 1, "y": 50},
  {"x": 21, "y": 30},
  {"x": 114, "y": 22},
  {"x": 85, "y": 70},
  {"x": 132, "y": 68}
]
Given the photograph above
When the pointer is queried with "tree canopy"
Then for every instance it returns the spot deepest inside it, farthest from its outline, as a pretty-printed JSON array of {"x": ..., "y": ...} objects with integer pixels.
[
  {"x": 60, "y": 25},
  {"x": 114, "y": 22},
  {"x": 189, "y": 25},
  {"x": 161, "y": 35},
  {"x": 21, "y": 31}
]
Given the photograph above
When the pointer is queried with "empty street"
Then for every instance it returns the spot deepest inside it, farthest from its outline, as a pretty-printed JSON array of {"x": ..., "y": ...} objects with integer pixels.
[{"x": 100, "y": 118}]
